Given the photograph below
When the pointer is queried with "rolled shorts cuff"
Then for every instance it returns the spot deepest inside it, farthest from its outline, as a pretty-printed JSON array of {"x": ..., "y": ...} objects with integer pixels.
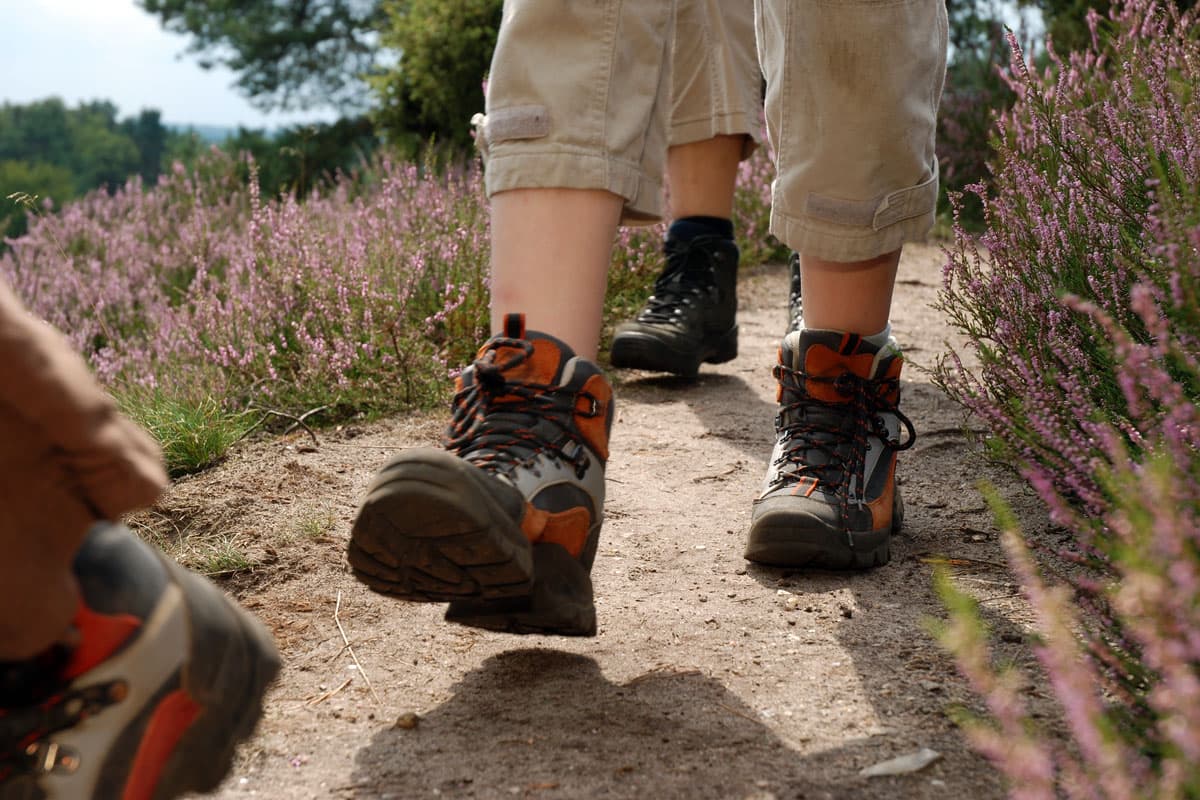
[
  {"x": 833, "y": 242},
  {"x": 562, "y": 168},
  {"x": 836, "y": 229},
  {"x": 731, "y": 124}
]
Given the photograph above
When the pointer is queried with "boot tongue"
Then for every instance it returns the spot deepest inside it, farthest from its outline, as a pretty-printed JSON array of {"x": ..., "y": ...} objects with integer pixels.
[
  {"x": 827, "y": 354},
  {"x": 544, "y": 365}
]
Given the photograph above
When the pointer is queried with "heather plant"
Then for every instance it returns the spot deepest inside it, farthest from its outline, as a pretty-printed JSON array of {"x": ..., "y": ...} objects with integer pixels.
[
  {"x": 199, "y": 295},
  {"x": 355, "y": 300},
  {"x": 1080, "y": 306},
  {"x": 1121, "y": 651},
  {"x": 1096, "y": 152}
]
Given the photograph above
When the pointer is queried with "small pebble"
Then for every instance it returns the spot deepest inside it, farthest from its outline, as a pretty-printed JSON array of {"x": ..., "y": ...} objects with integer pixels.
[{"x": 408, "y": 721}]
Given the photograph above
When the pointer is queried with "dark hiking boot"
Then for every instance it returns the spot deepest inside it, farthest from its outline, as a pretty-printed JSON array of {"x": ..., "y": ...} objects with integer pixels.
[
  {"x": 504, "y": 522},
  {"x": 830, "y": 497},
  {"x": 164, "y": 676},
  {"x": 795, "y": 298},
  {"x": 692, "y": 316}
]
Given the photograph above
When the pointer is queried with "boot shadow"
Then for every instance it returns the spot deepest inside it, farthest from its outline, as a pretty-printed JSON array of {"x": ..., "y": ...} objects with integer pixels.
[{"x": 549, "y": 724}]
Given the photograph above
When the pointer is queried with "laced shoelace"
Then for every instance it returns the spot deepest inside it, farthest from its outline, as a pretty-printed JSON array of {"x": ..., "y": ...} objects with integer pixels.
[
  {"x": 864, "y": 410},
  {"x": 680, "y": 283},
  {"x": 495, "y": 422},
  {"x": 26, "y": 734}
]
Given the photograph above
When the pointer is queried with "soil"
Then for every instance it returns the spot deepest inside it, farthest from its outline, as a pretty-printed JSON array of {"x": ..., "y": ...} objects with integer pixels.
[{"x": 710, "y": 677}]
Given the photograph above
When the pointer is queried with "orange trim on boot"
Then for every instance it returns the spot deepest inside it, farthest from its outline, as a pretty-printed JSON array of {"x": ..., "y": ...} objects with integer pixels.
[
  {"x": 101, "y": 635},
  {"x": 821, "y": 362},
  {"x": 170, "y": 721},
  {"x": 881, "y": 507},
  {"x": 595, "y": 427},
  {"x": 567, "y": 528}
]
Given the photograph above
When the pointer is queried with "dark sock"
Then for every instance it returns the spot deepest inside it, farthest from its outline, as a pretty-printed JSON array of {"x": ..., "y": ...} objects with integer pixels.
[{"x": 688, "y": 228}]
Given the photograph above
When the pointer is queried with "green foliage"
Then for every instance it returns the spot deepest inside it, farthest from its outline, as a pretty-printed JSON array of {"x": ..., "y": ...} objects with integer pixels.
[
  {"x": 286, "y": 53},
  {"x": 194, "y": 434},
  {"x": 46, "y": 182},
  {"x": 304, "y": 157},
  {"x": 974, "y": 93},
  {"x": 59, "y": 153},
  {"x": 436, "y": 86}
]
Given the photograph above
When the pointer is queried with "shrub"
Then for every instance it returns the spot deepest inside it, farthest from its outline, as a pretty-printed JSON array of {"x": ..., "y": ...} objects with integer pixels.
[
  {"x": 362, "y": 297},
  {"x": 1081, "y": 309},
  {"x": 436, "y": 86},
  {"x": 353, "y": 299},
  {"x": 1096, "y": 151},
  {"x": 974, "y": 93}
]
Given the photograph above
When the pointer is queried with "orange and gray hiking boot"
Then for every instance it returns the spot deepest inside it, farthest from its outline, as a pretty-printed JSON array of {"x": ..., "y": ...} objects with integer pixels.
[
  {"x": 692, "y": 316},
  {"x": 505, "y": 520},
  {"x": 830, "y": 497},
  {"x": 163, "y": 677}
]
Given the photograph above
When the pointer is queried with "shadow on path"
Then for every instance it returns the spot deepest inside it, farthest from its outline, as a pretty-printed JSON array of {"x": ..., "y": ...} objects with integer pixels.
[{"x": 548, "y": 724}]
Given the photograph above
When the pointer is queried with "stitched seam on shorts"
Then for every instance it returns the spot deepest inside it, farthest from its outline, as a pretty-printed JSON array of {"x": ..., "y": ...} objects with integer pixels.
[
  {"x": 604, "y": 87},
  {"x": 782, "y": 162}
]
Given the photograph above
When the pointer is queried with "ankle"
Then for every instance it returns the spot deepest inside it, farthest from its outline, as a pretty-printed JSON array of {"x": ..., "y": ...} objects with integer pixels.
[{"x": 686, "y": 229}]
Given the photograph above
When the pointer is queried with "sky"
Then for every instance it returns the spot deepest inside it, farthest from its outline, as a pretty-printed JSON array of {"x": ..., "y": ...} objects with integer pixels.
[{"x": 112, "y": 50}]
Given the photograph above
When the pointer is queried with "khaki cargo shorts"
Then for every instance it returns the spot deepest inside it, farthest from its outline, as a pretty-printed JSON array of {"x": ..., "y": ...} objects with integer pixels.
[{"x": 581, "y": 95}]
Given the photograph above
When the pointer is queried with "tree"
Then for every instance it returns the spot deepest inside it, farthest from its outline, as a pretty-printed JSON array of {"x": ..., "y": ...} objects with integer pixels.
[
  {"x": 148, "y": 135},
  {"x": 286, "y": 53},
  {"x": 437, "y": 84}
]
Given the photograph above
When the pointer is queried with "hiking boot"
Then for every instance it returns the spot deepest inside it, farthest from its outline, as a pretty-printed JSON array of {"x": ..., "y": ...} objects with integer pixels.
[
  {"x": 830, "y": 497},
  {"x": 692, "y": 316},
  {"x": 162, "y": 679},
  {"x": 795, "y": 299},
  {"x": 504, "y": 522}
]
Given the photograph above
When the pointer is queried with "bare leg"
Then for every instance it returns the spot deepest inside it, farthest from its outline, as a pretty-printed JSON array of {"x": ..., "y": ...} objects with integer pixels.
[
  {"x": 702, "y": 176},
  {"x": 550, "y": 254},
  {"x": 855, "y": 297}
]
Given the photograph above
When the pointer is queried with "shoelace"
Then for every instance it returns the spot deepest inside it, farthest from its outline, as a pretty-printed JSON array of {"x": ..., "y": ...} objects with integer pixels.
[
  {"x": 679, "y": 284},
  {"x": 865, "y": 410},
  {"x": 495, "y": 422},
  {"x": 26, "y": 744}
]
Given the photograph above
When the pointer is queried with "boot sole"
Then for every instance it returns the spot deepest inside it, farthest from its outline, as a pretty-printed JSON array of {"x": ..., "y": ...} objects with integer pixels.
[
  {"x": 428, "y": 531},
  {"x": 560, "y": 603},
  {"x": 781, "y": 539},
  {"x": 641, "y": 350}
]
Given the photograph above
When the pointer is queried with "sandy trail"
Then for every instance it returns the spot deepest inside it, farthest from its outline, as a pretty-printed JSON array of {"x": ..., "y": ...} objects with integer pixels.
[{"x": 710, "y": 677}]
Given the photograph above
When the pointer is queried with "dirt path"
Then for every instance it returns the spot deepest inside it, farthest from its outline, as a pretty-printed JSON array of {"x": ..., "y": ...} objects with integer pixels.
[{"x": 710, "y": 677}]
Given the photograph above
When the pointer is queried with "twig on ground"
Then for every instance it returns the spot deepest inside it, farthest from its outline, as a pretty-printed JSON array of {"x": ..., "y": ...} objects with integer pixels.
[
  {"x": 740, "y": 713},
  {"x": 337, "y": 621},
  {"x": 297, "y": 422},
  {"x": 322, "y": 698}
]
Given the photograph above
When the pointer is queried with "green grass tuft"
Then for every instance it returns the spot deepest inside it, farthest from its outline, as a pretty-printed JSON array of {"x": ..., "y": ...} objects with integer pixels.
[{"x": 193, "y": 434}]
